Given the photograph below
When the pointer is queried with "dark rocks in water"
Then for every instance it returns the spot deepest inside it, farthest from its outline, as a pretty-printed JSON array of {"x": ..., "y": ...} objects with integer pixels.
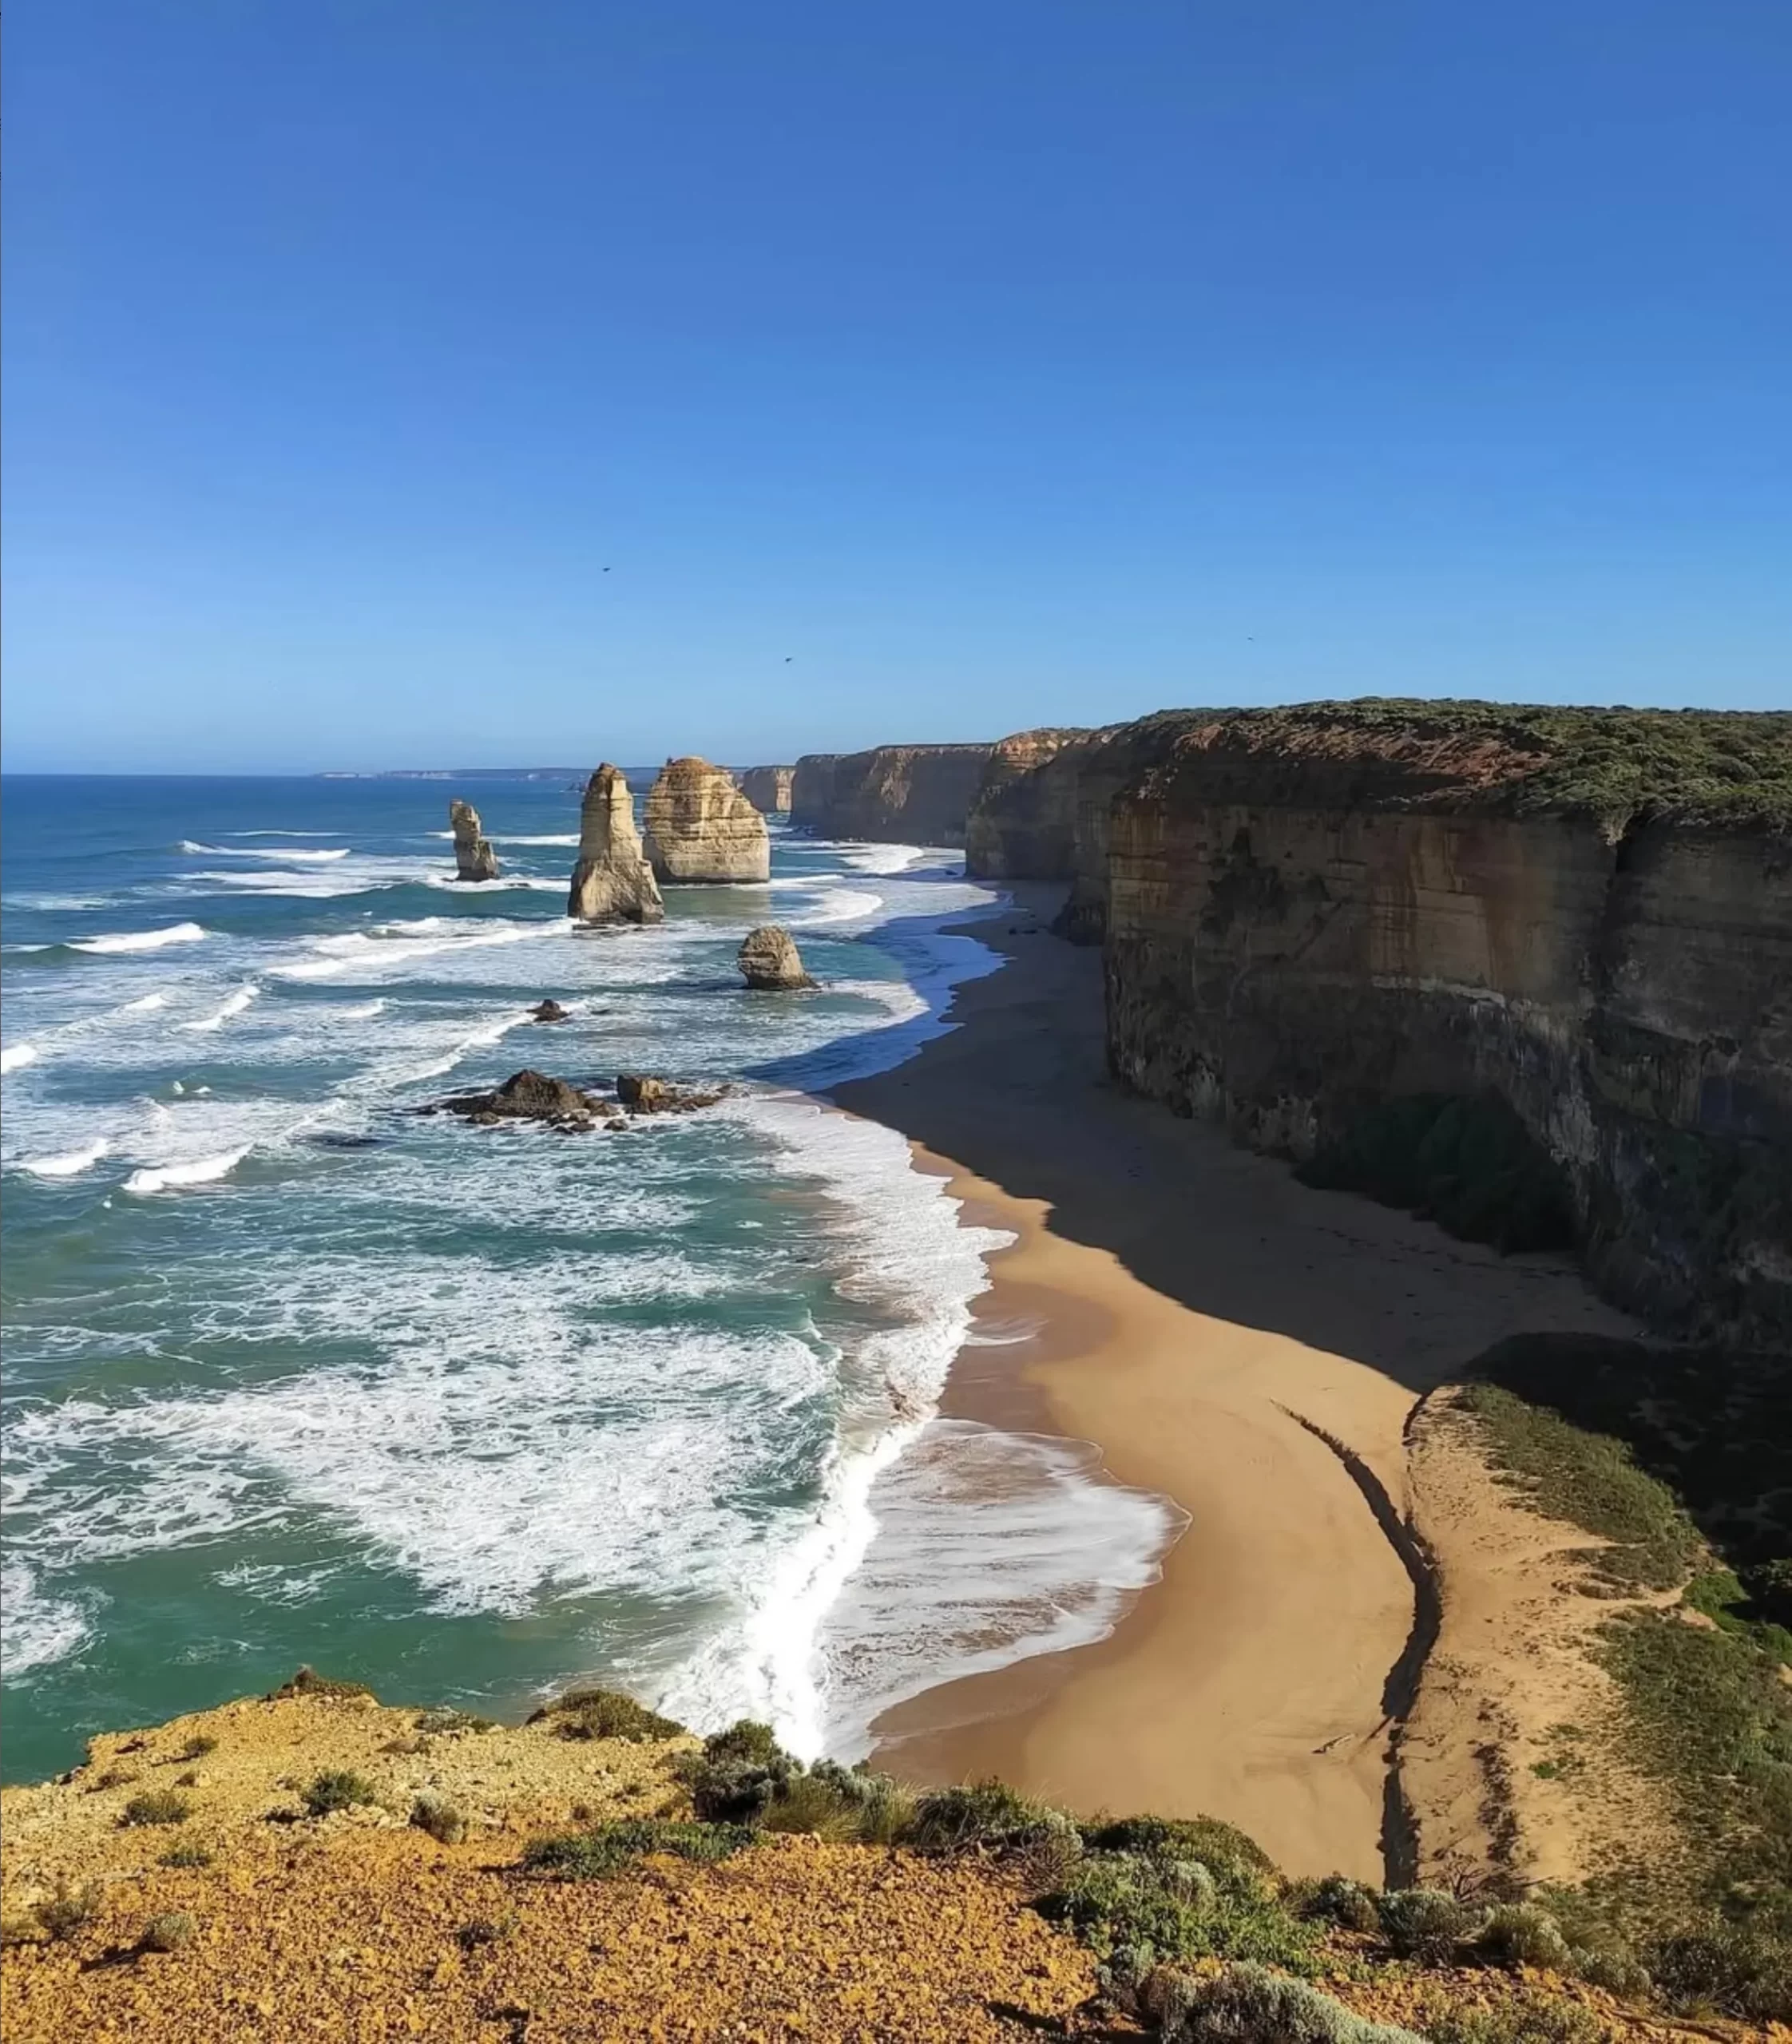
[
  {"x": 549, "y": 1010},
  {"x": 769, "y": 961},
  {"x": 332, "y": 1140},
  {"x": 644, "y": 1095},
  {"x": 524, "y": 1095},
  {"x": 474, "y": 858}
]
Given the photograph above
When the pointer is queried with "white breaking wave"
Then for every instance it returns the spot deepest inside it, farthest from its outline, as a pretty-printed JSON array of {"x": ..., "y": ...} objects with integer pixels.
[
  {"x": 237, "y": 1002},
  {"x": 143, "y": 1007},
  {"x": 273, "y": 852},
  {"x": 70, "y": 1163},
  {"x": 16, "y": 1055},
  {"x": 35, "y": 1628},
  {"x": 838, "y": 904},
  {"x": 363, "y": 1012},
  {"x": 201, "y": 1171},
  {"x": 141, "y": 939}
]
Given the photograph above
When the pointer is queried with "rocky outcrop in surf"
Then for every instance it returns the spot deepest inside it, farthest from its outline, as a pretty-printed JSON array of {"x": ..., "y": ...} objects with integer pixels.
[
  {"x": 525, "y": 1095},
  {"x": 768, "y": 789},
  {"x": 912, "y": 794},
  {"x": 701, "y": 829},
  {"x": 769, "y": 961},
  {"x": 643, "y": 1094},
  {"x": 474, "y": 858},
  {"x": 1527, "y": 969},
  {"x": 613, "y": 881}
]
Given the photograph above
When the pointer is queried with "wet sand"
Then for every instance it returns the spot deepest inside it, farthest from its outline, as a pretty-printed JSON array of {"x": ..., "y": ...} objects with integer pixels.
[{"x": 1193, "y": 1304}]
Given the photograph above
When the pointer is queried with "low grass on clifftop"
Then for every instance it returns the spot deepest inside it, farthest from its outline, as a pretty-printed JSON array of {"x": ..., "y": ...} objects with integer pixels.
[{"x": 1706, "y": 1679}]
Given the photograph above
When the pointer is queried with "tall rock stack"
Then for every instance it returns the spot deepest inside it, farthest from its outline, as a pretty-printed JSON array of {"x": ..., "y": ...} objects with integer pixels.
[
  {"x": 768, "y": 789},
  {"x": 613, "y": 881},
  {"x": 474, "y": 858},
  {"x": 700, "y": 828}
]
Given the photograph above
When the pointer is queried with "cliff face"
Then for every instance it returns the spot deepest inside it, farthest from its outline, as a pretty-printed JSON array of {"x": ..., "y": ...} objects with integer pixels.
[
  {"x": 1310, "y": 915},
  {"x": 701, "y": 827},
  {"x": 1042, "y": 811},
  {"x": 474, "y": 858},
  {"x": 612, "y": 882},
  {"x": 912, "y": 794},
  {"x": 768, "y": 789}
]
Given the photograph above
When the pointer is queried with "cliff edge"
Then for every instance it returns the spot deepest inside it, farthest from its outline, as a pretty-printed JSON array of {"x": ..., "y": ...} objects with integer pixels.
[{"x": 911, "y": 794}]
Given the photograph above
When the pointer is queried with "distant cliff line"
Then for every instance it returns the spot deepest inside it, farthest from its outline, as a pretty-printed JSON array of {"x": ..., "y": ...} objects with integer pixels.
[{"x": 1526, "y": 969}]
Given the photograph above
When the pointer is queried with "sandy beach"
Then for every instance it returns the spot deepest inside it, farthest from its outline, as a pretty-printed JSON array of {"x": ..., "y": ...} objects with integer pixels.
[{"x": 1194, "y": 1307}]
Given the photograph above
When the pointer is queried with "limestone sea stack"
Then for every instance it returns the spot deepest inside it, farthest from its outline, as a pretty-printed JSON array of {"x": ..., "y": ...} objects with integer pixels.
[
  {"x": 700, "y": 828},
  {"x": 769, "y": 961},
  {"x": 613, "y": 881},
  {"x": 474, "y": 858},
  {"x": 768, "y": 789}
]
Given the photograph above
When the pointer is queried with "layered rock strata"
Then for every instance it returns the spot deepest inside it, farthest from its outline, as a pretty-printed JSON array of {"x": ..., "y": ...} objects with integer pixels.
[
  {"x": 700, "y": 828},
  {"x": 474, "y": 858},
  {"x": 612, "y": 882},
  {"x": 911, "y": 794},
  {"x": 769, "y": 961},
  {"x": 768, "y": 789},
  {"x": 1584, "y": 917}
]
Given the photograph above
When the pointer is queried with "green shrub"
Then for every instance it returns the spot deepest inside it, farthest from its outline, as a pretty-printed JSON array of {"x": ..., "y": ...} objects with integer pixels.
[
  {"x": 595, "y": 1855},
  {"x": 593, "y": 1713},
  {"x": 197, "y": 1747},
  {"x": 1236, "y": 1859},
  {"x": 811, "y": 1803},
  {"x": 158, "y": 1806},
  {"x": 1528, "y": 2017},
  {"x": 1338, "y": 1899},
  {"x": 186, "y": 1855},
  {"x": 1134, "y": 1911},
  {"x": 883, "y": 1810},
  {"x": 1248, "y": 2004},
  {"x": 1521, "y": 1934},
  {"x": 738, "y": 1775},
  {"x": 988, "y": 1817},
  {"x": 168, "y": 1932},
  {"x": 64, "y": 1911},
  {"x": 114, "y": 1777},
  {"x": 443, "y": 1820},
  {"x": 1426, "y": 1924},
  {"x": 1735, "y": 1969},
  {"x": 335, "y": 1788}
]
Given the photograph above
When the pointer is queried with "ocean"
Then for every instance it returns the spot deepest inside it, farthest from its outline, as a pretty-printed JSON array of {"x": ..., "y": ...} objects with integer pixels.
[{"x": 293, "y": 1374}]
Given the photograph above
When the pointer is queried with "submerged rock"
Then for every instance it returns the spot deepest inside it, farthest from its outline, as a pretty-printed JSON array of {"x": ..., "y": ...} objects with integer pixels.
[
  {"x": 701, "y": 829},
  {"x": 474, "y": 858},
  {"x": 613, "y": 881},
  {"x": 549, "y": 1010},
  {"x": 769, "y": 961}
]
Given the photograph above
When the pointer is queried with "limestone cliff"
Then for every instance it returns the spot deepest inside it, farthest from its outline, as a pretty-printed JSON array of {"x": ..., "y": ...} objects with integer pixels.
[
  {"x": 912, "y": 794},
  {"x": 700, "y": 828},
  {"x": 1584, "y": 915},
  {"x": 768, "y": 789},
  {"x": 612, "y": 882},
  {"x": 474, "y": 858},
  {"x": 1042, "y": 811}
]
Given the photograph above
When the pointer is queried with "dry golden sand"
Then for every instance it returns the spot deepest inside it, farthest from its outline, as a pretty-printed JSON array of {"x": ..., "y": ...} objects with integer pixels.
[{"x": 1196, "y": 1304}]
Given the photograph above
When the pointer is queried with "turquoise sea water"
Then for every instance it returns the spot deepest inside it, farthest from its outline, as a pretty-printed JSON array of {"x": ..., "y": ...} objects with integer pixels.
[{"x": 293, "y": 1374}]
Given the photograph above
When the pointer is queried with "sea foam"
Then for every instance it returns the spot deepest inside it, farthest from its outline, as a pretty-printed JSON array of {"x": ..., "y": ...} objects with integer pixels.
[{"x": 140, "y": 940}]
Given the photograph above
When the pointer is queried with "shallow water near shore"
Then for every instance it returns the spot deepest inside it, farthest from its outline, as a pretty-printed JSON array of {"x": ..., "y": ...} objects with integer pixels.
[{"x": 294, "y": 1375}]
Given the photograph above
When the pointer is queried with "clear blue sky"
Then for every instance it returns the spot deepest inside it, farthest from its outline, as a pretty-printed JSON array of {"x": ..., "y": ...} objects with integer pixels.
[{"x": 917, "y": 371}]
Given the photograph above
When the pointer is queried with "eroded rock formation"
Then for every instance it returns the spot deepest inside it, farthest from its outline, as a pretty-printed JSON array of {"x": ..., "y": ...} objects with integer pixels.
[
  {"x": 906, "y": 794},
  {"x": 525, "y": 1095},
  {"x": 1586, "y": 917},
  {"x": 769, "y": 961},
  {"x": 768, "y": 789},
  {"x": 474, "y": 858},
  {"x": 700, "y": 828},
  {"x": 613, "y": 881}
]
